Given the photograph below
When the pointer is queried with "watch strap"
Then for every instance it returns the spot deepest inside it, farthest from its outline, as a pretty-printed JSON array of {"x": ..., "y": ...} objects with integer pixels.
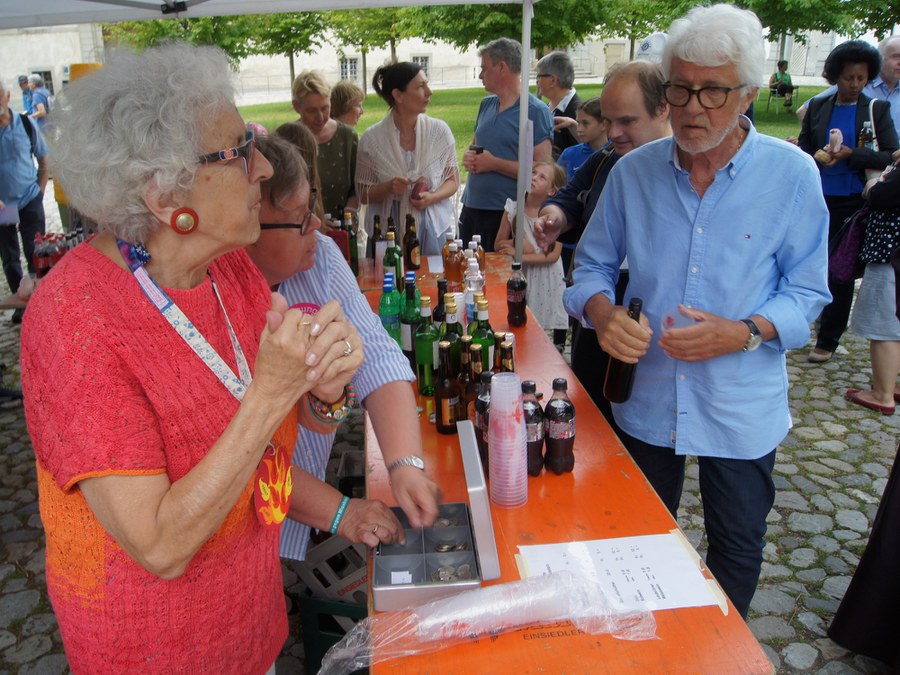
[{"x": 409, "y": 460}]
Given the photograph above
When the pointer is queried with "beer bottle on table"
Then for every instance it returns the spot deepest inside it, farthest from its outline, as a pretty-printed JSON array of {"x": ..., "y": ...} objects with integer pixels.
[
  {"x": 620, "y": 375},
  {"x": 411, "y": 276},
  {"x": 411, "y": 253},
  {"x": 534, "y": 428},
  {"x": 499, "y": 339},
  {"x": 392, "y": 226},
  {"x": 482, "y": 418},
  {"x": 440, "y": 312},
  {"x": 452, "y": 331},
  {"x": 389, "y": 308},
  {"x": 375, "y": 238},
  {"x": 483, "y": 334},
  {"x": 474, "y": 384},
  {"x": 507, "y": 362},
  {"x": 559, "y": 429},
  {"x": 409, "y": 320},
  {"x": 426, "y": 350},
  {"x": 465, "y": 373},
  {"x": 351, "y": 235},
  {"x": 393, "y": 259},
  {"x": 515, "y": 297},
  {"x": 446, "y": 393}
]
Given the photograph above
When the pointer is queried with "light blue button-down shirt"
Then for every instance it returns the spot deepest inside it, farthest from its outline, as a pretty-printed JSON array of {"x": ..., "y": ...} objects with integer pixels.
[
  {"x": 331, "y": 279},
  {"x": 18, "y": 173},
  {"x": 755, "y": 244}
]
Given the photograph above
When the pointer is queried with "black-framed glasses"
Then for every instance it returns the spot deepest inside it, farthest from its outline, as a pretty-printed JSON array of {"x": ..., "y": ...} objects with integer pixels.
[
  {"x": 303, "y": 225},
  {"x": 710, "y": 98},
  {"x": 540, "y": 75},
  {"x": 245, "y": 151}
]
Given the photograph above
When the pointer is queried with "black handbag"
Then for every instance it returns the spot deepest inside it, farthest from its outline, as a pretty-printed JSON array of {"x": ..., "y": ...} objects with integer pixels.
[{"x": 843, "y": 249}]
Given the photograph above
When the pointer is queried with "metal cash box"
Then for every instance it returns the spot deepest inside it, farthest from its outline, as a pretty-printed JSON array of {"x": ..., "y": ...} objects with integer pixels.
[{"x": 456, "y": 554}]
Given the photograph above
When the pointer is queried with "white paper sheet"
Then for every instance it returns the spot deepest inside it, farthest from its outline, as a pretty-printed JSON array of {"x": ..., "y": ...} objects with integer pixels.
[
  {"x": 9, "y": 214},
  {"x": 435, "y": 264},
  {"x": 650, "y": 572}
]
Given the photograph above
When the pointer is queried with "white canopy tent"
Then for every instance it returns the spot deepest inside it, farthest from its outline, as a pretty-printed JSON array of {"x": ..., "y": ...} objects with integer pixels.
[{"x": 33, "y": 13}]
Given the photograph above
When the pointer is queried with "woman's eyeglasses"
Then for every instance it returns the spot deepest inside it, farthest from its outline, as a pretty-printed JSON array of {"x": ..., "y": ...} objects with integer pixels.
[
  {"x": 245, "y": 151},
  {"x": 711, "y": 98},
  {"x": 303, "y": 225}
]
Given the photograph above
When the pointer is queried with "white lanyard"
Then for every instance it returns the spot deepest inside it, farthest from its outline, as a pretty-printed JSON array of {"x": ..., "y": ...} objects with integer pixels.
[{"x": 135, "y": 257}]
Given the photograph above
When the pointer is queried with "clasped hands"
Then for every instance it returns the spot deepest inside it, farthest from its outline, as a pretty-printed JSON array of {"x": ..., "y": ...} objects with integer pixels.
[
  {"x": 301, "y": 352},
  {"x": 708, "y": 337}
]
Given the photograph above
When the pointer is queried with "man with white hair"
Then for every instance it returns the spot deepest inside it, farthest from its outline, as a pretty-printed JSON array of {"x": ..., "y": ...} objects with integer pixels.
[
  {"x": 556, "y": 82},
  {"x": 727, "y": 287},
  {"x": 40, "y": 100}
]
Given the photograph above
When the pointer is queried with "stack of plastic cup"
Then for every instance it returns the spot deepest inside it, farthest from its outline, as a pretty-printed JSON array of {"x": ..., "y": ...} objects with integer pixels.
[{"x": 507, "y": 446}]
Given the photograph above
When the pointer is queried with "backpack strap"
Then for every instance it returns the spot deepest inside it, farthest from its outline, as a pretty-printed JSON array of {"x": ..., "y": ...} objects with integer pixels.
[{"x": 29, "y": 129}]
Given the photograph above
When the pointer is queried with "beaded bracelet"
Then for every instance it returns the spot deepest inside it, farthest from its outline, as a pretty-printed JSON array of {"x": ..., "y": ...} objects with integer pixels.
[
  {"x": 339, "y": 515},
  {"x": 332, "y": 413}
]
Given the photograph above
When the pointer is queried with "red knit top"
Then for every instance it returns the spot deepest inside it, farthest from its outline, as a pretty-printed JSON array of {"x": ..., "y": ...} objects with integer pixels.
[{"x": 111, "y": 388}]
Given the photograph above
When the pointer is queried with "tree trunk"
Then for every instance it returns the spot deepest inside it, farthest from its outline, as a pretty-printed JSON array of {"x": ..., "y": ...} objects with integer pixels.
[
  {"x": 393, "y": 50},
  {"x": 365, "y": 75},
  {"x": 291, "y": 62}
]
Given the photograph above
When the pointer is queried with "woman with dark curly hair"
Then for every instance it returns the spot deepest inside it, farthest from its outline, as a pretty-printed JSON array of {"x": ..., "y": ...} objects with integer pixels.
[{"x": 849, "y": 66}]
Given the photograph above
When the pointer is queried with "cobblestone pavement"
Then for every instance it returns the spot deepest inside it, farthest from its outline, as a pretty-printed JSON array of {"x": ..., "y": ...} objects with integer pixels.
[{"x": 830, "y": 474}]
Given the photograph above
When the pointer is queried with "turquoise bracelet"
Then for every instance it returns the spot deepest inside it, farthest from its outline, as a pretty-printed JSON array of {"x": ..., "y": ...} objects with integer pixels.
[{"x": 339, "y": 515}]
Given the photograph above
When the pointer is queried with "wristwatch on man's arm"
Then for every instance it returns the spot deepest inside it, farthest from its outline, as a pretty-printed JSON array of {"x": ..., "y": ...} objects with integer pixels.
[{"x": 755, "y": 339}]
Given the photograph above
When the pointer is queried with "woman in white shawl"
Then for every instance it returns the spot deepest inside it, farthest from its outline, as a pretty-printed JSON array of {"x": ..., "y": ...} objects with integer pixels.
[{"x": 406, "y": 163}]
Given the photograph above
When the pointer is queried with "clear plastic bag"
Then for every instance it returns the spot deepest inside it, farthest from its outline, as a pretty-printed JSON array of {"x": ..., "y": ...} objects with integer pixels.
[{"x": 537, "y": 601}]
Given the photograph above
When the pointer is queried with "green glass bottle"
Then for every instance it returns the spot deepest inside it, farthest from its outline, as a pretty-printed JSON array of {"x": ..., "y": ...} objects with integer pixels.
[
  {"x": 452, "y": 331},
  {"x": 483, "y": 334},
  {"x": 409, "y": 320},
  {"x": 426, "y": 350},
  {"x": 393, "y": 258}
]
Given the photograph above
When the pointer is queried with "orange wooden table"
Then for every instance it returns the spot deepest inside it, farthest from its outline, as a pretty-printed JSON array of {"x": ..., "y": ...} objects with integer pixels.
[{"x": 605, "y": 496}]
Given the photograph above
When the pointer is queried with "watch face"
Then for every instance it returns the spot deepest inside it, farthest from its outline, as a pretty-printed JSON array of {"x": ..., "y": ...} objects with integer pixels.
[
  {"x": 754, "y": 342},
  {"x": 416, "y": 462}
]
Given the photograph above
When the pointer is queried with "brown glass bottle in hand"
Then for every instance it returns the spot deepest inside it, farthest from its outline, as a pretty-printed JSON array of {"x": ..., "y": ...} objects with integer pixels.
[{"x": 620, "y": 375}]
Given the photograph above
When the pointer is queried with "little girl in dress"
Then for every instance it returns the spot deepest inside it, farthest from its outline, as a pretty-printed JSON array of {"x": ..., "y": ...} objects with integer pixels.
[{"x": 544, "y": 271}]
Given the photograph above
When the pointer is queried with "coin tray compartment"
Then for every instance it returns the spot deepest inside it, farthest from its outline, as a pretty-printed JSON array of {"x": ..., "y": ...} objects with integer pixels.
[
  {"x": 394, "y": 565},
  {"x": 413, "y": 545},
  {"x": 400, "y": 570}
]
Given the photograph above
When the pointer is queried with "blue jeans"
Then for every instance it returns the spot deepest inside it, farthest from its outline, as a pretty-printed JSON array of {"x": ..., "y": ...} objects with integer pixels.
[{"x": 737, "y": 496}]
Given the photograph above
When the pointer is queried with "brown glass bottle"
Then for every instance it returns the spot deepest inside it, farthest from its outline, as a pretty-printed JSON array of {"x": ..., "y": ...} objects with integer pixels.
[
  {"x": 411, "y": 246},
  {"x": 499, "y": 339},
  {"x": 482, "y": 418},
  {"x": 446, "y": 393},
  {"x": 470, "y": 393},
  {"x": 515, "y": 297},
  {"x": 464, "y": 375},
  {"x": 620, "y": 375},
  {"x": 376, "y": 236},
  {"x": 534, "y": 428},
  {"x": 507, "y": 362},
  {"x": 559, "y": 429}
]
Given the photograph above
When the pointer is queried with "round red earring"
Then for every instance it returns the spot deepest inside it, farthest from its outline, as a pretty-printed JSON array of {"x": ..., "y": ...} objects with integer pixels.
[{"x": 184, "y": 220}]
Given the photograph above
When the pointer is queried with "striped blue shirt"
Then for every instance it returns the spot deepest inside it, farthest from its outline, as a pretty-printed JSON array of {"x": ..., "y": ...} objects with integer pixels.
[{"x": 331, "y": 279}]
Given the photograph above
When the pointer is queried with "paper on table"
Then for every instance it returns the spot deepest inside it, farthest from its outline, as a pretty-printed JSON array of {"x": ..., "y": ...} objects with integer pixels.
[
  {"x": 649, "y": 572},
  {"x": 9, "y": 214},
  {"x": 435, "y": 264}
]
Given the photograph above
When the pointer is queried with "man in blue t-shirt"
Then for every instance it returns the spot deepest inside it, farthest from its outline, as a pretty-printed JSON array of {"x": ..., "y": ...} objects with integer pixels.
[
  {"x": 26, "y": 94},
  {"x": 21, "y": 190},
  {"x": 493, "y": 163}
]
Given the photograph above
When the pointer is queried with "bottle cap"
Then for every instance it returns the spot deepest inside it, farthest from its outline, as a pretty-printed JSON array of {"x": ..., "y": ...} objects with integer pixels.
[
  {"x": 465, "y": 338},
  {"x": 517, "y": 266},
  {"x": 450, "y": 305},
  {"x": 454, "y": 247},
  {"x": 425, "y": 301},
  {"x": 482, "y": 305},
  {"x": 475, "y": 347},
  {"x": 506, "y": 344},
  {"x": 473, "y": 263},
  {"x": 500, "y": 335},
  {"x": 449, "y": 297},
  {"x": 390, "y": 235},
  {"x": 476, "y": 238},
  {"x": 444, "y": 344},
  {"x": 560, "y": 384},
  {"x": 528, "y": 387},
  {"x": 486, "y": 376}
]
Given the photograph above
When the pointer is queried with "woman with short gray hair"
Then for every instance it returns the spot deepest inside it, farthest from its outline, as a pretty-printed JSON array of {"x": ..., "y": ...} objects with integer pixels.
[{"x": 164, "y": 383}]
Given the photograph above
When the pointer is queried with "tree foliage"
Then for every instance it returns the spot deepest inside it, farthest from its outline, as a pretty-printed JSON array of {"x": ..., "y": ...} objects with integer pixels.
[
  {"x": 797, "y": 17},
  {"x": 556, "y": 23},
  {"x": 232, "y": 34},
  {"x": 636, "y": 19}
]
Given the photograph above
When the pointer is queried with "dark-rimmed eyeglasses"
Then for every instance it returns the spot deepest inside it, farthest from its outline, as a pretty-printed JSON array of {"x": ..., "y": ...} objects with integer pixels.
[
  {"x": 245, "y": 151},
  {"x": 303, "y": 225},
  {"x": 710, "y": 98},
  {"x": 540, "y": 75}
]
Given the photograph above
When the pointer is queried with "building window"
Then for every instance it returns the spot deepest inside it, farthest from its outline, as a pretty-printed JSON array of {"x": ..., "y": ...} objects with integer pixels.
[
  {"x": 350, "y": 69},
  {"x": 422, "y": 61}
]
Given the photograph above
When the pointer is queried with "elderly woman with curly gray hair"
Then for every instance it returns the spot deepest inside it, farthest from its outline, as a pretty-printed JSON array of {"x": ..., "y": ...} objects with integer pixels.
[{"x": 164, "y": 382}]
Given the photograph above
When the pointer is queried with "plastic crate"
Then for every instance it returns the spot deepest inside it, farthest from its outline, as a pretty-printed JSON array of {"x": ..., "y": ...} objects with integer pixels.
[{"x": 338, "y": 570}]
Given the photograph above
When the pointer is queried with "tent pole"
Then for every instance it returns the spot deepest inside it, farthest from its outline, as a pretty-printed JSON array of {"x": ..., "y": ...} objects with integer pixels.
[{"x": 526, "y": 150}]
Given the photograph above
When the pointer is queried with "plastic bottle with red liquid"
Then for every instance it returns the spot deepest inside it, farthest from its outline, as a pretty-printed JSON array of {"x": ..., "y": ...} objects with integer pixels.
[{"x": 559, "y": 429}]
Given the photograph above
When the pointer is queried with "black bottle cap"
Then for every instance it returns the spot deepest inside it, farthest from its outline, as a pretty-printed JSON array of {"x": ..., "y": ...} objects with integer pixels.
[
  {"x": 486, "y": 376},
  {"x": 517, "y": 265},
  {"x": 560, "y": 384},
  {"x": 528, "y": 387}
]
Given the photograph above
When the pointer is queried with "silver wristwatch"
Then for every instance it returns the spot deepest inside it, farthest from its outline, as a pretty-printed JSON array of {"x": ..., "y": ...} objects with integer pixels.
[
  {"x": 755, "y": 336},
  {"x": 410, "y": 460}
]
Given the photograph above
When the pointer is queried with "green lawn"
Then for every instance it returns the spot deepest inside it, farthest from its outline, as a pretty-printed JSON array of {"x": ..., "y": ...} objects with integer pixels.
[{"x": 458, "y": 107}]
